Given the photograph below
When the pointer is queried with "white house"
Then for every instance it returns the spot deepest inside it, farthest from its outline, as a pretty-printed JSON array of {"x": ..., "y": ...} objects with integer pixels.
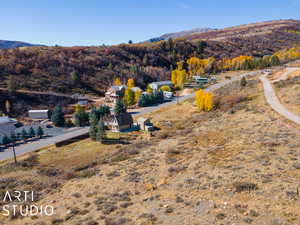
[
  {"x": 38, "y": 114},
  {"x": 145, "y": 124},
  {"x": 157, "y": 85},
  {"x": 114, "y": 93},
  {"x": 7, "y": 126},
  {"x": 168, "y": 95},
  {"x": 135, "y": 89}
]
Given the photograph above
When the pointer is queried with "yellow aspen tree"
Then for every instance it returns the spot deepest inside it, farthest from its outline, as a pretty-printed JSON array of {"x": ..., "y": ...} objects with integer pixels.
[
  {"x": 165, "y": 88},
  {"x": 199, "y": 96},
  {"x": 179, "y": 75},
  {"x": 149, "y": 89},
  {"x": 209, "y": 101},
  {"x": 130, "y": 83},
  {"x": 181, "y": 78},
  {"x": 137, "y": 95},
  {"x": 129, "y": 98},
  {"x": 174, "y": 77},
  {"x": 78, "y": 109},
  {"x": 204, "y": 100},
  {"x": 117, "y": 82}
]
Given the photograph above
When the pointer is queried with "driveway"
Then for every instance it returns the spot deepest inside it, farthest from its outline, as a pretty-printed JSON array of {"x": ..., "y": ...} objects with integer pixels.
[
  {"x": 274, "y": 102},
  {"x": 30, "y": 147}
]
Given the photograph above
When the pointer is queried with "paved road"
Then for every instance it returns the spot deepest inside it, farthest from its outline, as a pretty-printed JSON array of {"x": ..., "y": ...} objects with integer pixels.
[
  {"x": 30, "y": 147},
  {"x": 274, "y": 102},
  {"x": 35, "y": 145}
]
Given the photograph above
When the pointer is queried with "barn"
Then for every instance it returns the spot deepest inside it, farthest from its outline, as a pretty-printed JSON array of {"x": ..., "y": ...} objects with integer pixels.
[{"x": 38, "y": 114}]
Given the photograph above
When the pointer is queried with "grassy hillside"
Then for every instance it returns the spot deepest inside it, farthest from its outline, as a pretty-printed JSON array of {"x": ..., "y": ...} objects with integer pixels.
[
  {"x": 235, "y": 165},
  {"x": 53, "y": 68}
]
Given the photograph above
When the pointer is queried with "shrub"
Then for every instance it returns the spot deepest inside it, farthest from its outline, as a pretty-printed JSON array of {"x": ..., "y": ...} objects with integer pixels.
[
  {"x": 245, "y": 186},
  {"x": 227, "y": 102},
  {"x": 151, "y": 99}
]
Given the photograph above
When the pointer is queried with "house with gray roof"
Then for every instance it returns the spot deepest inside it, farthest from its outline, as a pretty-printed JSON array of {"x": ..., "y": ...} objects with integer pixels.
[
  {"x": 157, "y": 85},
  {"x": 118, "y": 122},
  {"x": 7, "y": 126}
]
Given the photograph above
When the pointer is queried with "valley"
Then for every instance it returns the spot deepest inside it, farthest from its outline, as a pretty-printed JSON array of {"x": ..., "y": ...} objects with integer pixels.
[
  {"x": 199, "y": 127},
  {"x": 188, "y": 172}
]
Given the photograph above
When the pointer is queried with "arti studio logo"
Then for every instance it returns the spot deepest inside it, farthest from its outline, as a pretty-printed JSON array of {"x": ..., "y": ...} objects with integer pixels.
[{"x": 22, "y": 203}]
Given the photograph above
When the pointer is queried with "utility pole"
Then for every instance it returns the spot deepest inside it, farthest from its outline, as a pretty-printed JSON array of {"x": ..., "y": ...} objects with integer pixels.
[
  {"x": 15, "y": 157},
  {"x": 13, "y": 141}
]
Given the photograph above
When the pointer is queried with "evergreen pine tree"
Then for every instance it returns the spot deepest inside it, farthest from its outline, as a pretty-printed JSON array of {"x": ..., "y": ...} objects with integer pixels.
[
  {"x": 120, "y": 107},
  {"x": 103, "y": 110},
  {"x": 100, "y": 131},
  {"x": 39, "y": 132},
  {"x": 31, "y": 133},
  {"x": 93, "y": 124},
  {"x": 5, "y": 141},
  {"x": 57, "y": 117},
  {"x": 13, "y": 137},
  {"x": 24, "y": 135}
]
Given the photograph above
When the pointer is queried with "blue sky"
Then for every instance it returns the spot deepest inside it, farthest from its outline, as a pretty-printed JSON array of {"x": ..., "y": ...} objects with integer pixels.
[{"x": 94, "y": 22}]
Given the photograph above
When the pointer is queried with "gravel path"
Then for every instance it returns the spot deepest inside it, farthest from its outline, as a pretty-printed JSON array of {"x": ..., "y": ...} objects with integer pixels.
[{"x": 274, "y": 102}]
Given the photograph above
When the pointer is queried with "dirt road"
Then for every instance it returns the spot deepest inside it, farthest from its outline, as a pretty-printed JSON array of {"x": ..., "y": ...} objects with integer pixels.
[{"x": 274, "y": 102}]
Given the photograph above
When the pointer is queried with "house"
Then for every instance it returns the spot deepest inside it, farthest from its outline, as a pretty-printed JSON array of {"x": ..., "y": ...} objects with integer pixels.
[
  {"x": 157, "y": 85},
  {"x": 168, "y": 95},
  {"x": 83, "y": 101},
  {"x": 7, "y": 126},
  {"x": 114, "y": 93},
  {"x": 136, "y": 89},
  {"x": 201, "y": 80},
  {"x": 118, "y": 122},
  {"x": 38, "y": 114},
  {"x": 145, "y": 124}
]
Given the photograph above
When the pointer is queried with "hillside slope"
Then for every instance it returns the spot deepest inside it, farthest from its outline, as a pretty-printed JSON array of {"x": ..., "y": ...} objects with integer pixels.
[
  {"x": 14, "y": 44},
  {"x": 235, "y": 165},
  {"x": 50, "y": 68},
  {"x": 181, "y": 34}
]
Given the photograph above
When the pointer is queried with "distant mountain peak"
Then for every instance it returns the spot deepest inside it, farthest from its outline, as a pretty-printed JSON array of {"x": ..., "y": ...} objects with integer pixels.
[
  {"x": 4, "y": 44},
  {"x": 181, "y": 34}
]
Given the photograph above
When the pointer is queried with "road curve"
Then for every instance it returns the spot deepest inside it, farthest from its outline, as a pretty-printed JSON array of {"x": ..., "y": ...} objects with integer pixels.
[
  {"x": 274, "y": 102},
  {"x": 30, "y": 147}
]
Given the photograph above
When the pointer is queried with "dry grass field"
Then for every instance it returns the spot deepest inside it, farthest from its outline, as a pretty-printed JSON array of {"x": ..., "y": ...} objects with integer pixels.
[
  {"x": 288, "y": 91},
  {"x": 238, "y": 164}
]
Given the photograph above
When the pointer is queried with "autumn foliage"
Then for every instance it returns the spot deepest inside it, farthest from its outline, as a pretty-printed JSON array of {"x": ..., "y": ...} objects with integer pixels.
[
  {"x": 130, "y": 83},
  {"x": 199, "y": 66},
  {"x": 117, "y": 82},
  {"x": 179, "y": 75},
  {"x": 204, "y": 100}
]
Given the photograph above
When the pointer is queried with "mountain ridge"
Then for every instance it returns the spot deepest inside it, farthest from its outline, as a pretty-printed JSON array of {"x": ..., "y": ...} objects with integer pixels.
[
  {"x": 50, "y": 68},
  {"x": 7, "y": 44},
  {"x": 181, "y": 34}
]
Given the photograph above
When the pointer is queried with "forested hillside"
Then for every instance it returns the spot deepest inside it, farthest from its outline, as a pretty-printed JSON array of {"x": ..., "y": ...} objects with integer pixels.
[{"x": 92, "y": 69}]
